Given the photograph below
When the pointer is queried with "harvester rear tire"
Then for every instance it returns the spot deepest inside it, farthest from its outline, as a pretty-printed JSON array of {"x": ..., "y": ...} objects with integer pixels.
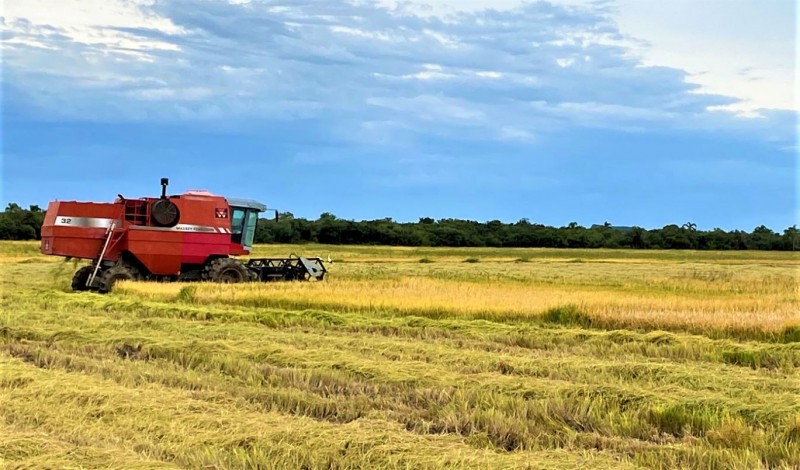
[
  {"x": 226, "y": 270},
  {"x": 80, "y": 278},
  {"x": 120, "y": 272}
]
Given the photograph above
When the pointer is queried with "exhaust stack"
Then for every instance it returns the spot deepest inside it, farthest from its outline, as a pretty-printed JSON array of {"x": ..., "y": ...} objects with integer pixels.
[{"x": 164, "y": 184}]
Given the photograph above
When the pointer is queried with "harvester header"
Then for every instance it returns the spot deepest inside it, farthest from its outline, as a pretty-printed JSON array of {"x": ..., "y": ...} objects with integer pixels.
[{"x": 187, "y": 237}]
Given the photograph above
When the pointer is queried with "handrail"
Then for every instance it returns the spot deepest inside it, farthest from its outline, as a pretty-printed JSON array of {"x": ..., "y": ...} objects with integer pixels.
[{"x": 109, "y": 234}]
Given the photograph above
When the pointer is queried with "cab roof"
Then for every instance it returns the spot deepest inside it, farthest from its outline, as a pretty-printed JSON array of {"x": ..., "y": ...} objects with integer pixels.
[{"x": 247, "y": 204}]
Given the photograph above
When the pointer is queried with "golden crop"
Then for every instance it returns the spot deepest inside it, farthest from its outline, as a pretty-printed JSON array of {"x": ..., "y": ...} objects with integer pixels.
[
  {"x": 523, "y": 359},
  {"x": 651, "y": 295}
]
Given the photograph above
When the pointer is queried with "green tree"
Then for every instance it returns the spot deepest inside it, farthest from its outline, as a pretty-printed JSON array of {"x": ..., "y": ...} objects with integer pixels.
[
  {"x": 763, "y": 238},
  {"x": 791, "y": 238},
  {"x": 675, "y": 237}
]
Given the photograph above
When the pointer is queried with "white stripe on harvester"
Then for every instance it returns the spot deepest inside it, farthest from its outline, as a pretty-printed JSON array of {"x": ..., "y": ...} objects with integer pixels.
[
  {"x": 97, "y": 222},
  {"x": 86, "y": 222},
  {"x": 178, "y": 228}
]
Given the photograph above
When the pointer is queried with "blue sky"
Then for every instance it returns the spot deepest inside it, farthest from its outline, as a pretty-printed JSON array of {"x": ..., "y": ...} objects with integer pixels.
[{"x": 622, "y": 111}]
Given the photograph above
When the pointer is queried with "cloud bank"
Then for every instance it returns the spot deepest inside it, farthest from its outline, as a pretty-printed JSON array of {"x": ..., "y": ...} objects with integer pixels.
[
  {"x": 518, "y": 96},
  {"x": 510, "y": 74}
]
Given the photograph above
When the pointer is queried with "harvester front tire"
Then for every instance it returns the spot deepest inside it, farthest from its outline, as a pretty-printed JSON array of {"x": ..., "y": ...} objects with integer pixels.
[
  {"x": 81, "y": 277},
  {"x": 120, "y": 272},
  {"x": 227, "y": 271}
]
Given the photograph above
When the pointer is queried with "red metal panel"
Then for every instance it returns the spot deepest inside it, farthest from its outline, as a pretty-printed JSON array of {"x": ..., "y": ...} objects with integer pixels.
[
  {"x": 159, "y": 251},
  {"x": 197, "y": 247},
  {"x": 237, "y": 249},
  {"x": 78, "y": 229}
]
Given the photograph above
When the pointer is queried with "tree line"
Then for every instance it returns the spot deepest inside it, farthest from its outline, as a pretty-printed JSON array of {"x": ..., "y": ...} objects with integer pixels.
[
  {"x": 17, "y": 223},
  {"x": 466, "y": 233}
]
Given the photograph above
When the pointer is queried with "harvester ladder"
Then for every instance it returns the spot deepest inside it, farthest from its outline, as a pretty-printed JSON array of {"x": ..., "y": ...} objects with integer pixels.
[{"x": 109, "y": 235}]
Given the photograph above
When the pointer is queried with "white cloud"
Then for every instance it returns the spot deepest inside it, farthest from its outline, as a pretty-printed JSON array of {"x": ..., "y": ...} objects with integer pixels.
[
  {"x": 428, "y": 75},
  {"x": 445, "y": 8},
  {"x": 592, "y": 113},
  {"x": 515, "y": 134},
  {"x": 744, "y": 49},
  {"x": 173, "y": 94},
  {"x": 361, "y": 33},
  {"x": 432, "y": 108},
  {"x": 429, "y": 72},
  {"x": 506, "y": 71},
  {"x": 445, "y": 40},
  {"x": 565, "y": 61},
  {"x": 740, "y": 48},
  {"x": 92, "y": 21},
  {"x": 489, "y": 74}
]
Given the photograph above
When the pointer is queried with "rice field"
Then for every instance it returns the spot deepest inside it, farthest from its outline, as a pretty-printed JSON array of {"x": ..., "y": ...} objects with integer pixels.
[{"x": 410, "y": 358}]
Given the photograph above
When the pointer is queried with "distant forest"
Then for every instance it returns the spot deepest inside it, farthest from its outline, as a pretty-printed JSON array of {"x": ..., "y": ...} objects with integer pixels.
[{"x": 17, "y": 223}]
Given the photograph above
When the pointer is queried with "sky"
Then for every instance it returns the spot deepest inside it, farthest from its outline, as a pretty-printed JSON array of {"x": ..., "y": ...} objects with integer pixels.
[{"x": 633, "y": 112}]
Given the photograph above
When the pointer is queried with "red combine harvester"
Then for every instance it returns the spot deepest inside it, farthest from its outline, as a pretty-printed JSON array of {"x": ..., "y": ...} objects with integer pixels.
[{"x": 189, "y": 237}]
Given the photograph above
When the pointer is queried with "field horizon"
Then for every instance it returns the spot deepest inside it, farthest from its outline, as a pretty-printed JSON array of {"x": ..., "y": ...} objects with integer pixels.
[{"x": 410, "y": 357}]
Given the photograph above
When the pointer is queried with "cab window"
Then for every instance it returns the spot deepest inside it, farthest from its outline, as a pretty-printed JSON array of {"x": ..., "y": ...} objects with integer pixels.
[
  {"x": 250, "y": 228},
  {"x": 237, "y": 225},
  {"x": 243, "y": 226}
]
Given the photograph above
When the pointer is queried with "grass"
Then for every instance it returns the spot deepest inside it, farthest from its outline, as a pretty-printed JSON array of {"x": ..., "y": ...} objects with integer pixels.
[{"x": 624, "y": 359}]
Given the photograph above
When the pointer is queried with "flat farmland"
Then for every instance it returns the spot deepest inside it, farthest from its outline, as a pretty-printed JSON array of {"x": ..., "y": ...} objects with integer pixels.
[{"x": 410, "y": 358}]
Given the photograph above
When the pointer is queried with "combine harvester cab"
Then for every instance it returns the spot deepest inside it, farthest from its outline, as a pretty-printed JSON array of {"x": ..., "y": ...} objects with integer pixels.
[{"x": 187, "y": 237}]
